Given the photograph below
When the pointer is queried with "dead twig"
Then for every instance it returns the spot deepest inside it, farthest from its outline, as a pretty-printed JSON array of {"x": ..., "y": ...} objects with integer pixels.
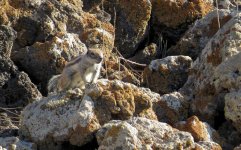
[{"x": 9, "y": 111}]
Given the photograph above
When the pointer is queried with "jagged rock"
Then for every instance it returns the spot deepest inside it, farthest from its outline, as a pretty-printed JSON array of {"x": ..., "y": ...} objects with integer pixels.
[
  {"x": 13, "y": 143},
  {"x": 168, "y": 74},
  {"x": 74, "y": 118},
  {"x": 7, "y": 36},
  {"x": 171, "y": 108},
  {"x": 196, "y": 38},
  {"x": 146, "y": 55},
  {"x": 49, "y": 33},
  {"x": 142, "y": 133},
  {"x": 200, "y": 131},
  {"x": 207, "y": 145},
  {"x": 130, "y": 21},
  {"x": 216, "y": 72},
  {"x": 232, "y": 108},
  {"x": 16, "y": 89},
  {"x": 171, "y": 18}
]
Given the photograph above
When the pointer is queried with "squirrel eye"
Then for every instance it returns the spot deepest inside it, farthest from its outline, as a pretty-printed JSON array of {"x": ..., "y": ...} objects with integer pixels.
[{"x": 92, "y": 54}]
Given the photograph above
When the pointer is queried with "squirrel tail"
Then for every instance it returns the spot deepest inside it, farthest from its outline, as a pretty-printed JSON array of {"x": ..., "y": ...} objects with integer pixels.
[{"x": 52, "y": 84}]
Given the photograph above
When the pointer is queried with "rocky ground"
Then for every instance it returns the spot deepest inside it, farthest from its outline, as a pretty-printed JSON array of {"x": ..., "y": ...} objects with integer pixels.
[{"x": 171, "y": 78}]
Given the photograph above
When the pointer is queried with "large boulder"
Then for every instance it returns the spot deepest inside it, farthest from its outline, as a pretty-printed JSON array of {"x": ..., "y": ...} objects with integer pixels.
[
  {"x": 142, "y": 133},
  {"x": 16, "y": 89},
  {"x": 216, "y": 73},
  {"x": 75, "y": 117}
]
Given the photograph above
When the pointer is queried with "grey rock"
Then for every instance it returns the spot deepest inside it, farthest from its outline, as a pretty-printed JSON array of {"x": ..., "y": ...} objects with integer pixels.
[
  {"x": 142, "y": 133},
  {"x": 16, "y": 89}
]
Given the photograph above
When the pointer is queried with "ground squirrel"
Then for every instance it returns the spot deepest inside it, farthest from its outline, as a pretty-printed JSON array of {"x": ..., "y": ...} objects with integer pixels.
[{"x": 78, "y": 72}]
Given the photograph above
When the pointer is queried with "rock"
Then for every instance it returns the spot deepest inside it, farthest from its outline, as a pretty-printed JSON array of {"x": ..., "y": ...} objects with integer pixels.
[
  {"x": 75, "y": 117},
  {"x": 146, "y": 55},
  {"x": 7, "y": 36},
  {"x": 232, "y": 108},
  {"x": 142, "y": 133},
  {"x": 130, "y": 21},
  {"x": 196, "y": 38},
  {"x": 215, "y": 73},
  {"x": 12, "y": 143},
  {"x": 16, "y": 89},
  {"x": 171, "y": 108},
  {"x": 168, "y": 74},
  {"x": 200, "y": 131},
  {"x": 170, "y": 19},
  {"x": 190, "y": 11},
  {"x": 204, "y": 145}
]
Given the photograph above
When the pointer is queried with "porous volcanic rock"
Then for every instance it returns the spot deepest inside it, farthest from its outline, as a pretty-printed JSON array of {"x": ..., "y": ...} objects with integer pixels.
[
  {"x": 171, "y": 108},
  {"x": 16, "y": 89},
  {"x": 216, "y": 72},
  {"x": 168, "y": 74},
  {"x": 200, "y": 131},
  {"x": 142, "y": 133},
  {"x": 75, "y": 117}
]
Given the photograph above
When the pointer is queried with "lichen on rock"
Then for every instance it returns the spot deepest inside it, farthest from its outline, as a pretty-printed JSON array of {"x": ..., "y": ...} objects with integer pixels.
[{"x": 142, "y": 133}]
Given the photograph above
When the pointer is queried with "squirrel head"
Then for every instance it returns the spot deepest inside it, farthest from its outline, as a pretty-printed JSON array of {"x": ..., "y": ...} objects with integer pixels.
[{"x": 95, "y": 55}]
